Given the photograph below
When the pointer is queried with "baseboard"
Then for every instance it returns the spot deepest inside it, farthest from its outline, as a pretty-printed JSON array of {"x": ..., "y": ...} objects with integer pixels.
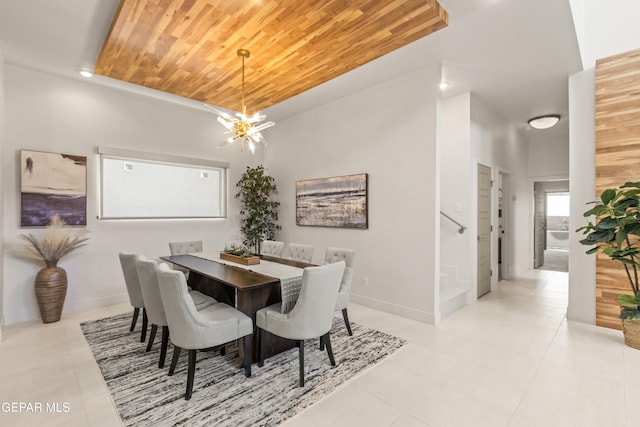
[
  {"x": 399, "y": 310},
  {"x": 32, "y": 314},
  {"x": 75, "y": 306}
]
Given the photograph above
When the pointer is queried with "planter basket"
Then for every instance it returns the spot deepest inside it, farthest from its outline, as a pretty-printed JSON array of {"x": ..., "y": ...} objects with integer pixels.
[{"x": 631, "y": 329}]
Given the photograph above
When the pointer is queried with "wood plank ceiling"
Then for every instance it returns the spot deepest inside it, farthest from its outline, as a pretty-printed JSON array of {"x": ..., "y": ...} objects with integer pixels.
[{"x": 188, "y": 47}]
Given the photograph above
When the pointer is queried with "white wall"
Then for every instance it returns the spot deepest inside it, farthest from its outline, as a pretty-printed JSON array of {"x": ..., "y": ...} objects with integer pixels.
[
  {"x": 549, "y": 158},
  {"x": 503, "y": 149},
  {"x": 388, "y": 131},
  {"x": 473, "y": 133},
  {"x": 456, "y": 183},
  {"x": 51, "y": 113},
  {"x": 582, "y": 184},
  {"x": 605, "y": 28}
]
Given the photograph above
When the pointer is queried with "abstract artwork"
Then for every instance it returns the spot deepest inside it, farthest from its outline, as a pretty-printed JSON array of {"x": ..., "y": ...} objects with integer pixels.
[
  {"x": 333, "y": 202},
  {"x": 52, "y": 183}
]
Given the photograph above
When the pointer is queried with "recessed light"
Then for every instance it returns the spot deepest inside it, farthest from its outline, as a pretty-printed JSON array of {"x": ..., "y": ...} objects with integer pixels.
[
  {"x": 85, "y": 73},
  {"x": 443, "y": 85},
  {"x": 544, "y": 122}
]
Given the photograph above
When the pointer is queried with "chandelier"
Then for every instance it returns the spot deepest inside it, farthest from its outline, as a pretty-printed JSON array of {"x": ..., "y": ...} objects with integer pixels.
[{"x": 245, "y": 129}]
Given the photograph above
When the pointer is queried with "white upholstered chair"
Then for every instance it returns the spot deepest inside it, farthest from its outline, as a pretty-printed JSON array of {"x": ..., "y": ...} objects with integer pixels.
[
  {"x": 148, "y": 275},
  {"x": 181, "y": 248},
  {"x": 272, "y": 248},
  {"x": 192, "y": 330},
  {"x": 311, "y": 317},
  {"x": 128, "y": 263},
  {"x": 349, "y": 257},
  {"x": 299, "y": 252}
]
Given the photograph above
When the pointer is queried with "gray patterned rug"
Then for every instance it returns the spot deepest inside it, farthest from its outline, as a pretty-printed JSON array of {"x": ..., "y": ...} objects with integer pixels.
[{"x": 222, "y": 395}]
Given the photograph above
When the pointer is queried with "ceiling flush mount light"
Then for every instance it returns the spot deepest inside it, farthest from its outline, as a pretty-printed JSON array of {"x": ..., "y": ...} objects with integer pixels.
[
  {"x": 443, "y": 85},
  {"x": 544, "y": 122},
  {"x": 245, "y": 129},
  {"x": 85, "y": 73}
]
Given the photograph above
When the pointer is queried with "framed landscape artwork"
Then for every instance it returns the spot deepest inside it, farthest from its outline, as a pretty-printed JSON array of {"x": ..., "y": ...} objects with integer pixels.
[
  {"x": 333, "y": 202},
  {"x": 52, "y": 183}
]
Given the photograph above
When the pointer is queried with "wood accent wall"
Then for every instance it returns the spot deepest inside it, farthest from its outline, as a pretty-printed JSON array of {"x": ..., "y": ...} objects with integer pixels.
[{"x": 617, "y": 160}]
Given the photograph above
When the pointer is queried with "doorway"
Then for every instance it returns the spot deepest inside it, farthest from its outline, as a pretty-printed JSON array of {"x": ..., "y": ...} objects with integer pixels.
[
  {"x": 551, "y": 226},
  {"x": 484, "y": 230},
  {"x": 503, "y": 226}
]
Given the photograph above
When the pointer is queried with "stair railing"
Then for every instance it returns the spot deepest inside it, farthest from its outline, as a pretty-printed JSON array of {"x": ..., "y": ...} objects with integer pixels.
[{"x": 462, "y": 227}]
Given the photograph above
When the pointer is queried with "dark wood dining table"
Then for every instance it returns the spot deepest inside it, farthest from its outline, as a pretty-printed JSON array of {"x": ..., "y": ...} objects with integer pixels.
[{"x": 246, "y": 290}]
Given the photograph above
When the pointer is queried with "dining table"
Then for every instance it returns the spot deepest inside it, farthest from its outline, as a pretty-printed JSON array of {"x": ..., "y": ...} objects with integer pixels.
[{"x": 248, "y": 288}]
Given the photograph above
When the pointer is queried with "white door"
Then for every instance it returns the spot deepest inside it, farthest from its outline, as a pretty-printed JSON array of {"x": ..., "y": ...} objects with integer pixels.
[
  {"x": 484, "y": 229},
  {"x": 539, "y": 224}
]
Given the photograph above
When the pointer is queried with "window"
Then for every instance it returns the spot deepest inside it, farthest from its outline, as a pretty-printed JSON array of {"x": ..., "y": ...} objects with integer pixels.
[
  {"x": 558, "y": 204},
  {"x": 149, "y": 185}
]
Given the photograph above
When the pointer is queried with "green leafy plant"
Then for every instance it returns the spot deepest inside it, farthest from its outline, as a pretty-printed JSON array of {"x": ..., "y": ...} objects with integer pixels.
[
  {"x": 259, "y": 212},
  {"x": 238, "y": 250},
  {"x": 615, "y": 232}
]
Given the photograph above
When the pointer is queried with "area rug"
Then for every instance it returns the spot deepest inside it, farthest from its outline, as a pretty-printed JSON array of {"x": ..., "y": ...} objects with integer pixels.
[{"x": 222, "y": 395}]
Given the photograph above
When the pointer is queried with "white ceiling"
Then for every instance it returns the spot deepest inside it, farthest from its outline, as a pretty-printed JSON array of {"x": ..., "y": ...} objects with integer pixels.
[{"x": 514, "y": 55}]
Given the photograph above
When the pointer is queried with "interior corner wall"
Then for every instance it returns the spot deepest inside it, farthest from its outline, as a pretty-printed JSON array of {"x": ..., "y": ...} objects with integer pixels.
[
  {"x": 47, "y": 112},
  {"x": 582, "y": 184},
  {"x": 456, "y": 182},
  {"x": 503, "y": 148},
  {"x": 389, "y": 132}
]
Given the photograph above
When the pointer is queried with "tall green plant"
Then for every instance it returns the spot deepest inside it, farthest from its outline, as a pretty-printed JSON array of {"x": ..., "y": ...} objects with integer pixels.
[
  {"x": 259, "y": 212},
  {"x": 615, "y": 232}
]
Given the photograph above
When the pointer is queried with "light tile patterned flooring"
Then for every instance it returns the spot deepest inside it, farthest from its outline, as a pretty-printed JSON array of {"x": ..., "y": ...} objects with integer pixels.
[{"x": 511, "y": 359}]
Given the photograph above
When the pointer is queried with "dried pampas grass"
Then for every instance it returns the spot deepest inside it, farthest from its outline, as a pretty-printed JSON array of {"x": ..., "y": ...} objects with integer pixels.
[{"x": 57, "y": 241}]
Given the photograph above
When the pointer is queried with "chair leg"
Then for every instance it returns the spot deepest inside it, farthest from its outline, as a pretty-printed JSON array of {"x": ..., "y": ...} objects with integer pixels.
[
  {"x": 136, "y": 312},
  {"x": 174, "y": 360},
  {"x": 321, "y": 346},
  {"x": 223, "y": 350},
  {"x": 152, "y": 337},
  {"x": 246, "y": 362},
  {"x": 191, "y": 370},
  {"x": 345, "y": 316},
  {"x": 145, "y": 322},
  {"x": 326, "y": 339},
  {"x": 261, "y": 346},
  {"x": 163, "y": 348},
  {"x": 301, "y": 361}
]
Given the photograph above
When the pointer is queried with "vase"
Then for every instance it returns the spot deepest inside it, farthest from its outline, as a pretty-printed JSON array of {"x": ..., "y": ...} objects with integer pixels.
[{"x": 51, "y": 290}]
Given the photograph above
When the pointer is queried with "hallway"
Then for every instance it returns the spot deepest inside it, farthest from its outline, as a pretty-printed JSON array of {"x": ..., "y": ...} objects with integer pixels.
[{"x": 556, "y": 260}]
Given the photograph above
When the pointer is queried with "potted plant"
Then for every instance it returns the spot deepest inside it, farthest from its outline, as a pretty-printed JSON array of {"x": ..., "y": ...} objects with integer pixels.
[
  {"x": 259, "y": 212},
  {"x": 57, "y": 241},
  {"x": 239, "y": 254},
  {"x": 615, "y": 232}
]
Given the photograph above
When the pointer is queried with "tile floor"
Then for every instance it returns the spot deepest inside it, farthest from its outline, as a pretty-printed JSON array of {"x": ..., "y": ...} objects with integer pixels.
[{"x": 511, "y": 359}]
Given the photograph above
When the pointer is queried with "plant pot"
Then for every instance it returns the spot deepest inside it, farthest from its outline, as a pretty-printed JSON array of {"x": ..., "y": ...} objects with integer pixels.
[
  {"x": 252, "y": 260},
  {"x": 631, "y": 330},
  {"x": 51, "y": 290}
]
